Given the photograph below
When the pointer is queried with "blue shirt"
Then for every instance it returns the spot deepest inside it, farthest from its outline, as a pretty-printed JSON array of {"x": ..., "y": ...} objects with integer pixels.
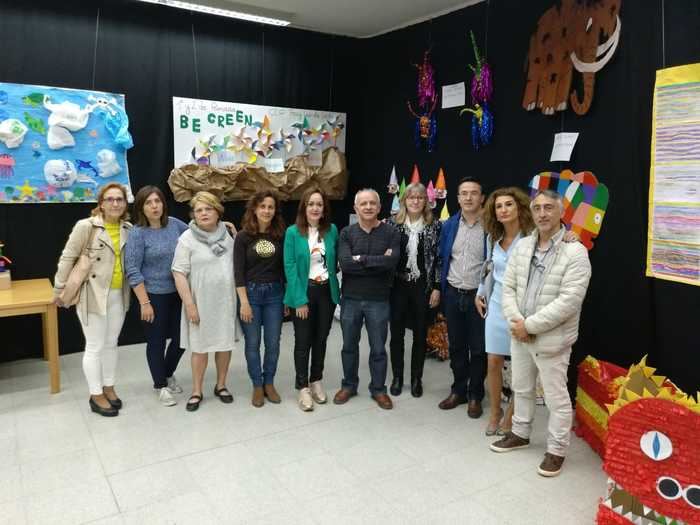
[{"x": 149, "y": 256}]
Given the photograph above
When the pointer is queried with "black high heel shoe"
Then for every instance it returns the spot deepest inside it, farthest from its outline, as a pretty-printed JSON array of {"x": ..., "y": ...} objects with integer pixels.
[
  {"x": 396, "y": 386},
  {"x": 106, "y": 412}
]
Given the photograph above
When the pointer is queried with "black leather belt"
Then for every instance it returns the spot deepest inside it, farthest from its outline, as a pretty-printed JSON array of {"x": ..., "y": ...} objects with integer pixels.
[
  {"x": 462, "y": 291},
  {"x": 317, "y": 283}
]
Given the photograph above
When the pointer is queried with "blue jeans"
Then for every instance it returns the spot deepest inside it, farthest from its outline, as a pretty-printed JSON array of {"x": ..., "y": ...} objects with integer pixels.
[
  {"x": 266, "y": 301},
  {"x": 465, "y": 332},
  {"x": 375, "y": 315},
  {"x": 165, "y": 325}
]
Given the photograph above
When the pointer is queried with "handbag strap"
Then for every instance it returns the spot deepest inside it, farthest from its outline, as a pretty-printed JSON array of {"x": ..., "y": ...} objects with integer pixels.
[{"x": 91, "y": 238}]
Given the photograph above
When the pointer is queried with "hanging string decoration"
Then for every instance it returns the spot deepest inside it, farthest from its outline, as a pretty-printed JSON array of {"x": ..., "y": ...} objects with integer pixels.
[
  {"x": 481, "y": 94},
  {"x": 426, "y": 122}
]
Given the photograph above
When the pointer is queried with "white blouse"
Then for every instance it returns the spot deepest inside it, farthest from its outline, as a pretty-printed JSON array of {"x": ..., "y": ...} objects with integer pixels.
[{"x": 318, "y": 271}]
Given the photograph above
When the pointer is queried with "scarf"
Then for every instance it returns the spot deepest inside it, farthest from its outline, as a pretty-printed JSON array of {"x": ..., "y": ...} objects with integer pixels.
[
  {"x": 215, "y": 240},
  {"x": 414, "y": 231}
]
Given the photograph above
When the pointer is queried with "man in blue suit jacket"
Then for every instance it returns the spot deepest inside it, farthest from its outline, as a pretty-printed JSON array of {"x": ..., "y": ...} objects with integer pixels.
[{"x": 462, "y": 243}]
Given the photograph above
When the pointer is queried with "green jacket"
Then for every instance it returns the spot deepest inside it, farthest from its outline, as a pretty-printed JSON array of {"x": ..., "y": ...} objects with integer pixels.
[{"x": 297, "y": 261}]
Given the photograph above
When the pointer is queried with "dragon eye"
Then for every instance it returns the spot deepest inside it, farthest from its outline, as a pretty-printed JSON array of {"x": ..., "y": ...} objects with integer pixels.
[
  {"x": 668, "y": 488},
  {"x": 656, "y": 445},
  {"x": 692, "y": 496},
  {"x": 597, "y": 218}
]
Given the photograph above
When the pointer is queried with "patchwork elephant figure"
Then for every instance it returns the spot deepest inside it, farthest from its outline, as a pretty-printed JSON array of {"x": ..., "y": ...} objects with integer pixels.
[{"x": 568, "y": 36}]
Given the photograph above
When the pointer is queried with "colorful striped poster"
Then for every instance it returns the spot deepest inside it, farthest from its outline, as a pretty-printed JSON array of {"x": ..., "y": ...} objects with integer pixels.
[{"x": 673, "y": 248}]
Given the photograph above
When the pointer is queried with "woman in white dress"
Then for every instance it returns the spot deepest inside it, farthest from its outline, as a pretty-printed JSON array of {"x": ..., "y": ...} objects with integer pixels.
[{"x": 203, "y": 272}]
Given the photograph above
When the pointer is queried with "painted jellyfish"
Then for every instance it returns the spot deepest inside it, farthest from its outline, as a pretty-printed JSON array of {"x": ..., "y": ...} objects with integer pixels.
[{"x": 7, "y": 166}]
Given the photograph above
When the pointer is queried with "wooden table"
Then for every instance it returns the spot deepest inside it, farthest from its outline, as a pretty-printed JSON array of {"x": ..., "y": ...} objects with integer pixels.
[{"x": 35, "y": 296}]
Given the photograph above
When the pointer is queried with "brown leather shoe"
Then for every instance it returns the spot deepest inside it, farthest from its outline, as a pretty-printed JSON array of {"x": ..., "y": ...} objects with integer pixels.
[
  {"x": 342, "y": 396},
  {"x": 474, "y": 409},
  {"x": 258, "y": 397},
  {"x": 451, "y": 401},
  {"x": 550, "y": 466},
  {"x": 383, "y": 401},
  {"x": 271, "y": 394}
]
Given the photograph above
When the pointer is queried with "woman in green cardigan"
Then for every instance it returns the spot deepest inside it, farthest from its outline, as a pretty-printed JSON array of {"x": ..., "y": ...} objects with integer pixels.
[{"x": 310, "y": 248}]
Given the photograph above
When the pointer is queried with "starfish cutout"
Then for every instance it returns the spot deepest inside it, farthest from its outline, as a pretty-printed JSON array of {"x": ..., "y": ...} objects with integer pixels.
[{"x": 26, "y": 190}]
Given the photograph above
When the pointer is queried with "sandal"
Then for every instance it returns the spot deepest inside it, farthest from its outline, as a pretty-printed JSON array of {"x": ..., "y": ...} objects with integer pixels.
[
  {"x": 492, "y": 430},
  {"x": 223, "y": 394},
  {"x": 193, "y": 406}
]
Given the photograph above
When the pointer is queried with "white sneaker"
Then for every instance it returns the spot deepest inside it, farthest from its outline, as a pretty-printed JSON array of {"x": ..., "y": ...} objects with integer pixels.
[
  {"x": 166, "y": 398},
  {"x": 317, "y": 392},
  {"x": 173, "y": 386},
  {"x": 306, "y": 402}
]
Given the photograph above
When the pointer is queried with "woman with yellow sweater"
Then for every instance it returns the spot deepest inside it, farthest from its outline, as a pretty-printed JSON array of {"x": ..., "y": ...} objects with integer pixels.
[{"x": 104, "y": 297}]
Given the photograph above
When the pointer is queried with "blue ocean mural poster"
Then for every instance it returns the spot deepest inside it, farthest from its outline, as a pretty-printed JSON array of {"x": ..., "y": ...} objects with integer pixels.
[{"x": 60, "y": 145}]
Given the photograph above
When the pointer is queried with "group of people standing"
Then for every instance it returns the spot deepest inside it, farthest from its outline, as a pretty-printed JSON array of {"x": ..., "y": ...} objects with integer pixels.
[{"x": 201, "y": 285}]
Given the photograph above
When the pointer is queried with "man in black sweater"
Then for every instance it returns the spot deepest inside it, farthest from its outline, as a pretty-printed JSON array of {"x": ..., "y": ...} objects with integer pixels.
[{"x": 368, "y": 253}]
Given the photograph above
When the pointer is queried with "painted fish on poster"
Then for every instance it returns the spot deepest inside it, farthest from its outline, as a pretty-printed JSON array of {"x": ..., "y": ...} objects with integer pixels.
[
  {"x": 85, "y": 165},
  {"x": 35, "y": 124},
  {"x": 34, "y": 99}
]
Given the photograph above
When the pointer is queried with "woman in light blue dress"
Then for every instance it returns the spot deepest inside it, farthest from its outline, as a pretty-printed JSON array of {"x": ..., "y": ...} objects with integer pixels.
[{"x": 506, "y": 218}]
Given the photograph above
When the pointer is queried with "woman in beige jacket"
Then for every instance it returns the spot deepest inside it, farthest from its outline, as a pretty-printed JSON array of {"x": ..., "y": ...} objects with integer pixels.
[{"x": 104, "y": 297}]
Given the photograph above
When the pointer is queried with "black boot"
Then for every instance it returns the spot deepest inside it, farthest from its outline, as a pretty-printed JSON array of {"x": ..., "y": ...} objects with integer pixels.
[
  {"x": 416, "y": 387},
  {"x": 396, "y": 386}
]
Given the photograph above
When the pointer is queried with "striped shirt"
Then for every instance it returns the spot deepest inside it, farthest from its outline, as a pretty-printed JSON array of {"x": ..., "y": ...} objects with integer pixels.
[{"x": 467, "y": 255}]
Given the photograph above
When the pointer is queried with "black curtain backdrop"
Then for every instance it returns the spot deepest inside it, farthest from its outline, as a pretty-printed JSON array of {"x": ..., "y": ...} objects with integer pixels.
[{"x": 148, "y": 53}]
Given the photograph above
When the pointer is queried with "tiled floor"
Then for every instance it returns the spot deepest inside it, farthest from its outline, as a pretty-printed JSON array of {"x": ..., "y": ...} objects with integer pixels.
[{"x": 59, "y": 463}]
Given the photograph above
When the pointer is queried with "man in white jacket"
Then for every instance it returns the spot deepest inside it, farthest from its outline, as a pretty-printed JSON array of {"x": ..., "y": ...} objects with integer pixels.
[{"x": 543, "y": 288}]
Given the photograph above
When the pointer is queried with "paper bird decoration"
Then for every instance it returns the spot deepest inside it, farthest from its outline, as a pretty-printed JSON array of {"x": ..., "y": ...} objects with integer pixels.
[
  {"x": 431, "y": 195},
  {"x": 445, "y": 213},
  {"x": 415, "y": 176},
  {"x": 393, "y": 186},
  {"x": 482, "y": 125},
  {"x": 482, "y": 82},
  {"x": 402, "y": 188},
  {"x": 426, "y": 122},
  {"x": 440, "y": 186},
  {"x": 395, "y": 205}
]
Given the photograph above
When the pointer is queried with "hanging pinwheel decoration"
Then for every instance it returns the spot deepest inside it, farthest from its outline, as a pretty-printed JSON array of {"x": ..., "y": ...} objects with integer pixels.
[
  {"x": 481, "y": 93},
  {"x": 426, "y": 123}
]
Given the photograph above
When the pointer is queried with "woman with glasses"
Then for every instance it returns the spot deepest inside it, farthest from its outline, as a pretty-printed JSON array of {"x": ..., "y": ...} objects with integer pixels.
[
  {"x": 104, "y": 297},
  {"x": 416, "y": 284},
  {"x": 203, "y": 272}
]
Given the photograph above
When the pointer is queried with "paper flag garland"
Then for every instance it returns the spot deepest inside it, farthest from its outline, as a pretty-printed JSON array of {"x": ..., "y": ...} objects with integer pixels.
[
  {"x": 440, "y": 186},
  {"x": 585, "y": 200},
  {"x": 402, "y": 188},
  {"x": 431, "y": 195},
  {"x": 393, "y": 186},
  {"x": 651, "y": 453},
  {"x": 395, "y": 206},
  {"x": 415, "y": 176},
  {"x": 445, "y": 213}
]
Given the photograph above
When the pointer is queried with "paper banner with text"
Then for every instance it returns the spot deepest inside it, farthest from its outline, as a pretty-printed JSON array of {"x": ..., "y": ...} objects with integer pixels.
[
  {"x": 673, "y": 247},
  {"x": 60, "y": 145},
  {"x": 278, "y": 148}
]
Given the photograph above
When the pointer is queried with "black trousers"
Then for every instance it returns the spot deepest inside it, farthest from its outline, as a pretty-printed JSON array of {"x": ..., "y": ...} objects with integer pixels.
[
  {"x": 409, "y": 308},
  {"x": 165, "y": 325},
  {"x": 311, "y": 334}
]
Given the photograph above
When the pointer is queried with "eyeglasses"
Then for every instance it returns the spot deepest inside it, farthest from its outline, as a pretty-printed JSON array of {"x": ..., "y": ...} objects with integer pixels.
[{"x": 114, "y": 200}]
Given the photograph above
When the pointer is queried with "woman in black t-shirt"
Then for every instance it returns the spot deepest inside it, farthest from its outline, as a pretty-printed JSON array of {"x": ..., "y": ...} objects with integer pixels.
[{"x": 259, "y": 274}]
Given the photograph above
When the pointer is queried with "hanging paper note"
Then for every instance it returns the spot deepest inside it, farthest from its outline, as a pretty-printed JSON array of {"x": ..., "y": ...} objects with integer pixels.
[
  {"x": 415, "y": 176},
  {"x": 563, "y": 146},
  {"x": 453, "y": 95},
  {"x": 274, "y": 165}
]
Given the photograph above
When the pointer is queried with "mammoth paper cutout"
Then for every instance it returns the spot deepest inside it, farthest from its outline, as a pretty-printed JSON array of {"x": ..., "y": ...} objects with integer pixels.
[
  {"x": 585, "y": 200},
  {"x": 575, "y": 35}
]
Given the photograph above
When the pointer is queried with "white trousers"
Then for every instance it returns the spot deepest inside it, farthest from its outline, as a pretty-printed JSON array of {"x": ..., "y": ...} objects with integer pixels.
[
  {"x": 553, "y": 369},
  {"x": 101, "y": 333}
]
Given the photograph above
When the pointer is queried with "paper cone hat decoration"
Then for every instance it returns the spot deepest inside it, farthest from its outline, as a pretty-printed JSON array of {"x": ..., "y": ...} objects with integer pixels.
[
  {"x": 444, "y": 214},
  {"x": 393, "y": 186},
  {"x": 395, "y": 205},
  {"x": 415, "y": 176},
  {"x": 440, "y": 186},
  {"x": 402, "y": 188},
  {"x": 430, "y": 190}
]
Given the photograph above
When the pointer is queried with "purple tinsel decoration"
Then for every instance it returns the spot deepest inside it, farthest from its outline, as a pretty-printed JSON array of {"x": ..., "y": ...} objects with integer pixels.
[
  {"x": 482, "y": 85},
  {"x": 426, "y": 83}
]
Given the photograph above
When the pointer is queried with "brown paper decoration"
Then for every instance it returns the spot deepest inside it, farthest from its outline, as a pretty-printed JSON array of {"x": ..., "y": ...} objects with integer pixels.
[{"x": 239, "y": 182}]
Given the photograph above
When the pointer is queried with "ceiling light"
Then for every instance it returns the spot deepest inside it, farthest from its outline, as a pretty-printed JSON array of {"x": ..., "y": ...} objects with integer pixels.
[{"x": 221, "y": 11}]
